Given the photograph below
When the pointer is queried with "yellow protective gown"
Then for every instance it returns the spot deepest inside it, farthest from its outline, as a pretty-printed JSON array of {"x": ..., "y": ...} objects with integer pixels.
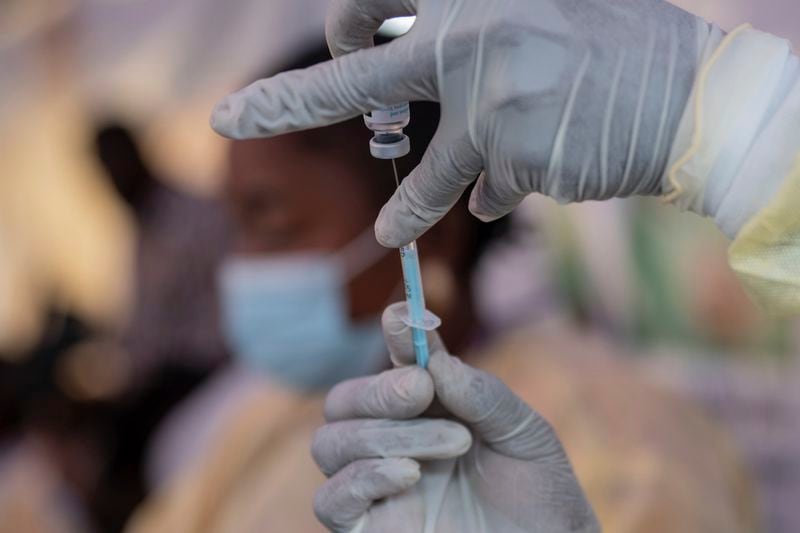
[
  {"x": 766, "y": 253},
  {"x": 741, "y": 131}
]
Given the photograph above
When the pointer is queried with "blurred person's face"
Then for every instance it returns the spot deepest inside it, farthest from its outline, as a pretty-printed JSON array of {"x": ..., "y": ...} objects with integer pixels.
[
  {"x": 287, "y": 199},
  {"x": 303, "y": 291},
  {"x": 289, "y": 306}
]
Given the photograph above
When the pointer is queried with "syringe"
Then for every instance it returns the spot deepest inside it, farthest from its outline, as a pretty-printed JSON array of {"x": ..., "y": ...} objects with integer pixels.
[{"x": 389, "y": 142}]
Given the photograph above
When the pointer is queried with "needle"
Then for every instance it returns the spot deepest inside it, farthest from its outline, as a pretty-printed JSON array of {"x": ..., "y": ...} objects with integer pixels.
[{"x": 396, "y": 178}]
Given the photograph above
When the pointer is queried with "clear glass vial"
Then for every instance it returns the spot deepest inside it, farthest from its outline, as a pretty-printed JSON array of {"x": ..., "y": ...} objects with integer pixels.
[{"x": 389, "y": 141}]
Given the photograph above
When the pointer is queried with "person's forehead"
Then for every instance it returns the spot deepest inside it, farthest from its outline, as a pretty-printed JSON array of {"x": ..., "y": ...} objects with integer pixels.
[
  {"x": 289, "y": 167},
  {"x": 259, "y": 155}
]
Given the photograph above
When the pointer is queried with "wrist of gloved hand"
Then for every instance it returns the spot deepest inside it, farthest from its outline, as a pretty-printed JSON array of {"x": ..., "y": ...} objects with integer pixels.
[{"x": 739, "y": 135}]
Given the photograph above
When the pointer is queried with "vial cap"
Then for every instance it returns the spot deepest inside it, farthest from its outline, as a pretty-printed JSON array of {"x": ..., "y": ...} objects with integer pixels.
[{"x": 390, "y": 150}]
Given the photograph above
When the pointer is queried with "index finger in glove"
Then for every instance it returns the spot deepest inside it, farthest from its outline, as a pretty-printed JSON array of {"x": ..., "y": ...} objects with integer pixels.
[
  {"x": 398, "y": 394},
  {"x": 497, "y": 415},
  {"x": 350, "y": 24},
  {"x": 338, "y": 444},
  {"x": 325, "y": 93},
  {"x": 431, "y": 189}
]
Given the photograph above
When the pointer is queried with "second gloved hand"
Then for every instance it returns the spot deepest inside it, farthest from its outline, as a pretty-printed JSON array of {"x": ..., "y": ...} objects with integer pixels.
[
  {"x": 578, "y": 100},
  {"x": 486, "y": 463}
]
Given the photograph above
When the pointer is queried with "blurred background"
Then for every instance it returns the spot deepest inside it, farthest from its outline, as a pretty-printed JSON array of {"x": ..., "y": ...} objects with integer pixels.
[{"x": 113, "y": 227}]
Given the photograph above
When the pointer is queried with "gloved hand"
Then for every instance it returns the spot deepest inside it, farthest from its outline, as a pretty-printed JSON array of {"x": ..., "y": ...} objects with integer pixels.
[
  {"x": 575, "y": 100},
  {"x": 485, "y": 463}
]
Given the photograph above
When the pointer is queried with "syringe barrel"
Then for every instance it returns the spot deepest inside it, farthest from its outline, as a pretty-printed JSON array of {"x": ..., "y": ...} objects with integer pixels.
[
  {"x": 412, "y": 278},
  {"x": 415, "y": 300}
]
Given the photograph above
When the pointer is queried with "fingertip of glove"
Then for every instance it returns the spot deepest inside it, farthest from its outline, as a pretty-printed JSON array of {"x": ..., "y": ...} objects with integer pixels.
[
  {"x": 485, "y": 218},
  {"x": 220, "y": 119},
  {"x": 461, "y": 439},
  {"x": 478, "y": 212},
  {"x": 414, "y": 390},
  {"x": 391, "y": 321},
  {"x": 405, "y": 471},
  {"x": 397, "y": 336},
  {"x": 398, "y": 224},
  {"x": 385, "y": 232}
]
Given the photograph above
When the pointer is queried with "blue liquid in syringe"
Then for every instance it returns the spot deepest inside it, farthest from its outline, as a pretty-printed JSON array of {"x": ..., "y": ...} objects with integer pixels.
[{"x": 415, "y": 300}]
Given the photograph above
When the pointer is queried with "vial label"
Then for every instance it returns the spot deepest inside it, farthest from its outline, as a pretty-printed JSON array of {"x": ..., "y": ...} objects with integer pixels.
[{"x": 396, "y": 113}]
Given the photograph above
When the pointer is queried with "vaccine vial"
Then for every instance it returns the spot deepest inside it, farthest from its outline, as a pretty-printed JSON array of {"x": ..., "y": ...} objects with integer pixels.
[{"x": 389, "y": 141}]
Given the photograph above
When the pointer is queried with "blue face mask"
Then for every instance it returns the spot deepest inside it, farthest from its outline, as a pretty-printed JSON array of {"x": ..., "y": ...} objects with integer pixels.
[{"x": 288, "y": 316}]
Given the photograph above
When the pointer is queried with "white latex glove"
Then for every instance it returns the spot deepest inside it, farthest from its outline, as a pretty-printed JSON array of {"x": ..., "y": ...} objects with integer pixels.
[
  {"x": 486, "y": 463},
  {"x": 578, "y": 100}
]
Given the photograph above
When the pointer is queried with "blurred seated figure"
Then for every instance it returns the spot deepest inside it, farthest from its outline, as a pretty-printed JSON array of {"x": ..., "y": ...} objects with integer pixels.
[
  {"x": 180, "y": 240},
  {"x": 76, "y": 412},
  {"x": 301, "y": 298},
  {"x": 44, "y": 474},
  {"x": 72, "y": 434}
]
